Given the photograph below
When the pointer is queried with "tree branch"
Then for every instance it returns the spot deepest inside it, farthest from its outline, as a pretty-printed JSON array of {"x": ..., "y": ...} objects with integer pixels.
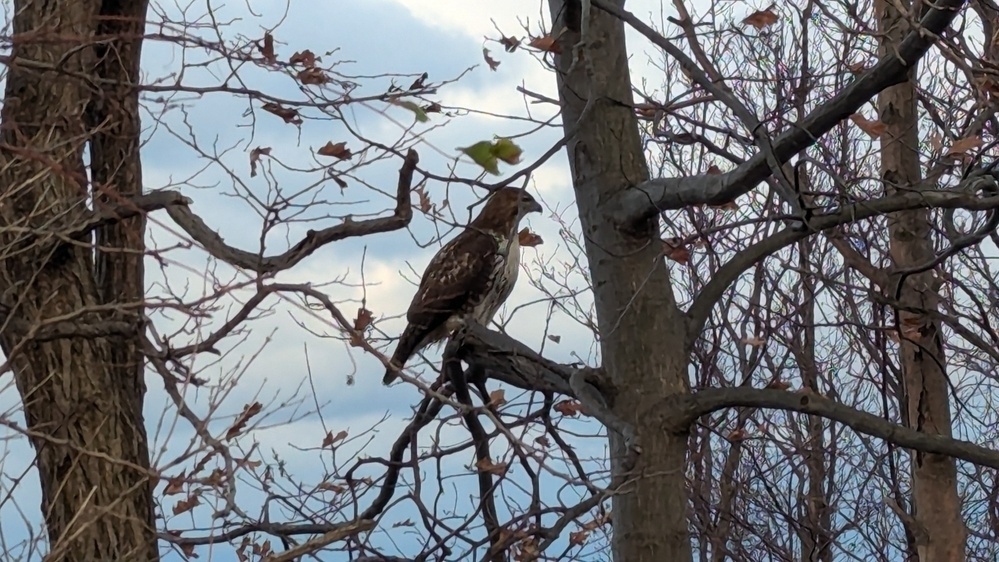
[
  {"x": 648, "y": 198},
  {"x": 681, "y": 410},
  {"x": 314, "y": 239},
  {"x": 502, "y": 358},
  {"x": 958, "y": 198},
  {"x": 507, "y": 360}
]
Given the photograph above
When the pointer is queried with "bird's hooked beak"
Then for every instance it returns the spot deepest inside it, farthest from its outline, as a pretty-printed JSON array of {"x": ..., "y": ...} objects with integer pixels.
[{"x": 534, "y": 207}]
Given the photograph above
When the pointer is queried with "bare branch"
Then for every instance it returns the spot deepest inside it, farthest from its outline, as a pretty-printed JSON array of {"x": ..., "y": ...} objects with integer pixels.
[
  {"x": 653, "y": 196},
  {"x": 958, "y": 198},
  {"x": 314, "y": 239},
  {"x": 680, "y": 411}
]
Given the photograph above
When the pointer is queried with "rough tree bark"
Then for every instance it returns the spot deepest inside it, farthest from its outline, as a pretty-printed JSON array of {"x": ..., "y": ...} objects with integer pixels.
[
  {"x": 641, "y": 329},
  {"x": 940, "y": 533},
  {"x": 82, "y": 395}
]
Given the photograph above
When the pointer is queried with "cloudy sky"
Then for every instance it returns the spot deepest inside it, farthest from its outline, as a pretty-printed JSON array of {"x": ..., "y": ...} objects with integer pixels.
[{"x": 281, "y": 361}]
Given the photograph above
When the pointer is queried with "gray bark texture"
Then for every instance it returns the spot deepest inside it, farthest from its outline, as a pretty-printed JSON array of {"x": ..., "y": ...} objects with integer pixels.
[{"x": 642, "y": 330}]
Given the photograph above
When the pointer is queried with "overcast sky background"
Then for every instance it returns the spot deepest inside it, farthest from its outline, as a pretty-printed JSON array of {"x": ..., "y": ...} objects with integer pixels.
[{"x": 372, "y": 37}]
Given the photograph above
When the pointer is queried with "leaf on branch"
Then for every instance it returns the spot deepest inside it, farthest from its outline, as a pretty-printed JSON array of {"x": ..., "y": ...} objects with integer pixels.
[
  {"x": 338, "y": 150},
  {"x": 546, "y": 43},
  {"x": 247, "y": 463},
  {"x": 424, "y": 205},
  {"x": 753, "y": 341},
  {"x": 267, "y": 48},
  {"x": 510, "y": 43},
  {"x": 543, "y": 441},
  {"x": 242, "y": 419},
  {"x": 646, "y": 110},
  {"x": 497, "y": 397},
  {"x": 288, "y": 114},
  {"x": 673, "y": 249},
  {"x": 330, "y": 439},
  {"x": 493, "y": 63},
  {"x": 488, "y": 466},
  {"x": 568, "y": 408},
  {"x": 713, "y": 171},
  {"x": 873, "y": 128},
  {"x": 737, "y": 435},
  {"x": 488, "y": 154},
  {"x": 406, "y": 523},
  {"x": 420, "y": 82},
  {"x": 778, "y": 384},
  {"x": 528, "y": 239},
  {"x": 313, "y": 76},
  {"x": 262, "y": 550},
  {"x": 578, "y": 538},
  {"x": 361, "y": 323},
  {"x": 174, "y": 485},
  {"x": 761, "y": 19},
  {"x": 183, "y": 506},
  {"x": 188, "y": 550},
  {"x": 255, "y": 155},
  {"x": 304, "y": 58},
  {"x": 421, "y": 115},
  {"x": 432, "y": 108},
  {"x": 554, "y": 338},
  {"x": 965, "y": 145}
]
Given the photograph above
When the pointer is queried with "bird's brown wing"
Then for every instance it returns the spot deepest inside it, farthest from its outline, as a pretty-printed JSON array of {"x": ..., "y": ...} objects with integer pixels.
[{"x": 454, "y": 280}]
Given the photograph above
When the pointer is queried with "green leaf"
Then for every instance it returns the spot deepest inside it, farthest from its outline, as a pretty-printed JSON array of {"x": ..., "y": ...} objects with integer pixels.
[
  {"x": 482, "y": 154},
  {"x": 507, "y": 151},
  {"x": 488, "y": 154},
  {"x": 421, "y": 115}
]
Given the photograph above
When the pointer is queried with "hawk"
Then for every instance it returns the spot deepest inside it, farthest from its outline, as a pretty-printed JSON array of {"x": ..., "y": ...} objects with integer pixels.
[{"x": 471, "y": 275}]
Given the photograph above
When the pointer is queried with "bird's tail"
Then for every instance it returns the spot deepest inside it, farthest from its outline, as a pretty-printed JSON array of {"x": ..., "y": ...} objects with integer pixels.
[
  {"x": 391, "y": 372},
  {"x": 407, "y": 345}
]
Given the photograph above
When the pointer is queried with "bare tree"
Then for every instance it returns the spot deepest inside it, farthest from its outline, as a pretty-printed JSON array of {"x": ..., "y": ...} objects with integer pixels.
[{"x": 792, "y": 296}]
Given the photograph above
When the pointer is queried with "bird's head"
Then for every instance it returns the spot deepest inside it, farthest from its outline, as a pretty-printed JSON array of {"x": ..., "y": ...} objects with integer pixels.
[{"x": 504, "y": 210}]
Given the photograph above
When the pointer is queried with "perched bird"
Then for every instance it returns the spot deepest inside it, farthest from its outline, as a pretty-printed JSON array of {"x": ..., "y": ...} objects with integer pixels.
[{"x": 471, "y": 275}]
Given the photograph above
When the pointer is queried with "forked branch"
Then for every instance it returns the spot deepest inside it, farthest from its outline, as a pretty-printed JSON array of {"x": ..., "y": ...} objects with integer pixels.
[
  {"x": 314, "y": 239},
  {"x": 648, "y": 198}
]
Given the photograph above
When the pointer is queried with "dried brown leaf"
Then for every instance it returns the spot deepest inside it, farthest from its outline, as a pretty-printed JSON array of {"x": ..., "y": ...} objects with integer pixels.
[
  {"x": 243, "y": 418},
  {"x": 546, "y": 43},
  {"x": 304, "y": 58},
  {"x": 493, "y": 63},
  {"x": 361, "y": 323},
  {"x": 874, "y": 129},
  {"x": 338, "y": 150},
  {"x": 761, "y": 18},
  {"x": 267, "y": 48},
  {"x": 674, "y": 249},
  {"x": 288, "y": 114},
  {"x": 568, "y": 408},
  {"x": 330, "y": 439},
  {"x": 497, "y": 397},
  {"x": 255, "y": 155},
  {"x": 965, "y": 145},
  {"x": 487, "y": 465},
  {"x": 529, "y": 239}
]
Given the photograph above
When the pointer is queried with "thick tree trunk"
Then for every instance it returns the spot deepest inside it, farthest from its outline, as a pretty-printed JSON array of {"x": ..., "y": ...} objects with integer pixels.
[
  {"x": 941, "y": 534},
  {"x": 82, "y": 396},
  {"x": 641, "y": 329}
]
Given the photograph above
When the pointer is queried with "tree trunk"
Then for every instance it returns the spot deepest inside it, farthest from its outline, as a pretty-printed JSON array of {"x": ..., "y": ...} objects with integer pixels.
[
  {"x": 82, "y": 395},
  {"x": 941, "y": 534},
  {"x": 641, "y": 328}
]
